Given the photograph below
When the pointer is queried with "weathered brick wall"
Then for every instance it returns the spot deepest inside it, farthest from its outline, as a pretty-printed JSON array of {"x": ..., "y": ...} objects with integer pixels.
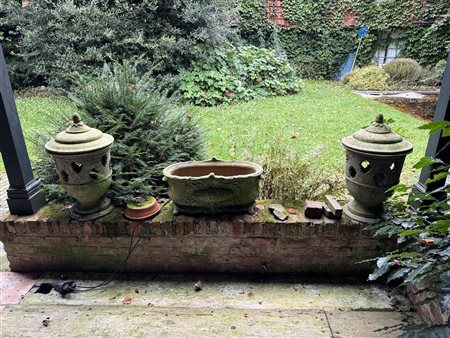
[{"x": 49, "y": 240}]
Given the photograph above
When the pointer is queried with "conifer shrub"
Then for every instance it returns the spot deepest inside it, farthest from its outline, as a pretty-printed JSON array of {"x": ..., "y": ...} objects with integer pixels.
[
  {"x": 150, "y": 132},
  {"x": 403, "y": 71},
  {"x": 367, "y": 78}
]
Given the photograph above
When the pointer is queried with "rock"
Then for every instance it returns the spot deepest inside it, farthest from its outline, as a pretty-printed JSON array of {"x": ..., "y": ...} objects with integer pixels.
[
  {"x": 279, "y": 211},
  {"x": 313, "y": 209}
]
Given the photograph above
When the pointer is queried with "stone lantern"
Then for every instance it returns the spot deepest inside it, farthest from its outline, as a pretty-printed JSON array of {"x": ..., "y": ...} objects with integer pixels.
[
  {"x": 375, "y": 157},
  {"x": 82, "y": 157}
]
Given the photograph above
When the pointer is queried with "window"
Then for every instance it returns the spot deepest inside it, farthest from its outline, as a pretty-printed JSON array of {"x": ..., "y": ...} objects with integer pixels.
[{"x": 388, "y": 47}]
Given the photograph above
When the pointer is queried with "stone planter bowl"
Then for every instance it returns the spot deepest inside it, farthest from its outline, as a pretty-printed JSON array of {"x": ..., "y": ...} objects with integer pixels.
[{"x": 214, "y": 186}]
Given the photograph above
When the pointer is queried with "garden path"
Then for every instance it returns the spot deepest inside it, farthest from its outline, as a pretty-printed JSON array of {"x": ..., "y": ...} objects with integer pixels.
[{"x": 167, "y": 305}]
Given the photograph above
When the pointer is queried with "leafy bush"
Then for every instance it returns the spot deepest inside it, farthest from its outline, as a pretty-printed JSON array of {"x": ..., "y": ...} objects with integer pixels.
[
  {"x": 422, "y": 257},
  {"x": 238, "y": 73},
  {"x": 289, "y": 176},
  {"x": 54, "y": 42},
  {"x": 367, "y": 78},
  {"x": 150, "y": 132},
  {"x": 433, "y": 76},
  {"x": 403, "y": 71}
]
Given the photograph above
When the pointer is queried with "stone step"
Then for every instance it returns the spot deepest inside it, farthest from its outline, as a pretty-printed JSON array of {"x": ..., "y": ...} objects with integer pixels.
[
  {"x": 223, "y": 291},
  {"x": 26, "y": 320}
]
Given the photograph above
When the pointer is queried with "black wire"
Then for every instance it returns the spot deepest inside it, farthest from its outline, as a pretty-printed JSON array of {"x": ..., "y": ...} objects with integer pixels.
[
  {"x": 131, "y": 248},
  {"x": 121, "y": 266}
]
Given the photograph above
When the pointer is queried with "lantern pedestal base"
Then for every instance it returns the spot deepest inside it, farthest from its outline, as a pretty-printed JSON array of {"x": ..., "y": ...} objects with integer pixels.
[
  {"x": 361, "y": 213},
  {"x": 88, "y": 215}
]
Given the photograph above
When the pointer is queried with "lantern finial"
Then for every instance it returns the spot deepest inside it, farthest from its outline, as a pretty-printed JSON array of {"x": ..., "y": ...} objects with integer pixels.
[
  {"x": 379, "y": 118},
  {"x": 76, "y": 118}
]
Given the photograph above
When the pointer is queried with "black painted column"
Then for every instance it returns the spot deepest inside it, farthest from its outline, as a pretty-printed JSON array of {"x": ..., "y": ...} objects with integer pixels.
[
  {"x": 436, "y": 143},
  {"x": 24, "y": 195}
]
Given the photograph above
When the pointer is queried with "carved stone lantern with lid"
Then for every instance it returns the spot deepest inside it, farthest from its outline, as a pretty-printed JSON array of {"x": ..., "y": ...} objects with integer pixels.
[
  {"x": 82, "y": 157},
  {"x": 375, "y": 157}
]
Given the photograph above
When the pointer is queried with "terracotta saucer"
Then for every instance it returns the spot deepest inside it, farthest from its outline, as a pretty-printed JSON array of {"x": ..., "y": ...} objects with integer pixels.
[{"x": 147, "y": 209}]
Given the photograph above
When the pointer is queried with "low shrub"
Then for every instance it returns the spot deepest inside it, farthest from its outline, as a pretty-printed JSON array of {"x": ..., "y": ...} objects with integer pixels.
[
  {"x": 149, "y": 131},
  {"x": 367, "y": 78},
  {"x": 433, "y": 76},
  {"x": 238, "y": 73},
  {"x": 290, "y": 176},
  {"x": 403, "y": 71}
]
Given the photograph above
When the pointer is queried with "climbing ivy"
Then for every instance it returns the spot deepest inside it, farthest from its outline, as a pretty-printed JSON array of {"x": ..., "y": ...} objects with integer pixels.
[{"x": 318, "y": 43}]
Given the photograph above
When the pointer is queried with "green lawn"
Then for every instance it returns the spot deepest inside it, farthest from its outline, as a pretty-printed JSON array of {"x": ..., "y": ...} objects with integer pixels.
[
  {"x": 36, "y": 114},
  {"x": 312, "y": 122}
]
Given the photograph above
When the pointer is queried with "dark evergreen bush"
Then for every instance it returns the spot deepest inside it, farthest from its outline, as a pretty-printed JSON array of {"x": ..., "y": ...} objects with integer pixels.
[
  {"x": 54, "y": 42},
  {"x": 149, "y": 131}
]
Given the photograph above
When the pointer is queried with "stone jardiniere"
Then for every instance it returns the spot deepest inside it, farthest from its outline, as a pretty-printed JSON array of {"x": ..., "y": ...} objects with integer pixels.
[
  {"x": 375, "y": 157},
  {"x": 214, "y": 186},
  {"x": 82, "y": 157}
]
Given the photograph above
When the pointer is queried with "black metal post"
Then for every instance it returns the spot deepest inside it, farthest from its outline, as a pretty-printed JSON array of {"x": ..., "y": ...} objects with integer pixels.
[
  {"x": 24, "y": 194},
  {"x": 436, "y": 143}
]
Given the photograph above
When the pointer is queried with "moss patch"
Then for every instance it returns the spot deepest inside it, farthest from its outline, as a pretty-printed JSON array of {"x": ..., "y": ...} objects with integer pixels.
[{"x": 54, "y": 211}]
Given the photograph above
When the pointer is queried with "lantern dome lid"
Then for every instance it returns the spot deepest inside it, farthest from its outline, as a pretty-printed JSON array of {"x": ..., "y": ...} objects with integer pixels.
[
  {"x": 78, "y": 138},
  {"x": 377, "y": 138}
]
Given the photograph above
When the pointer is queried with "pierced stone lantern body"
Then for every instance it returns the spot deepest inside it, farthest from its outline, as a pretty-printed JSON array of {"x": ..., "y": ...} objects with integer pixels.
[
  {"x": 82, "y": 157},
  {"x": 375, "y": 157}
]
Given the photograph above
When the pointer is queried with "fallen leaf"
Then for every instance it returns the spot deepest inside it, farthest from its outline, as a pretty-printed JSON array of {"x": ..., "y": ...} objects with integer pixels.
[
  {"x": 259, "y": 207},
  {"x": 198, "y": 286},
  {"x": 427, "y": 241},
  {"x": 293, "y": 137},
  {"x": 127, "y": 300}
]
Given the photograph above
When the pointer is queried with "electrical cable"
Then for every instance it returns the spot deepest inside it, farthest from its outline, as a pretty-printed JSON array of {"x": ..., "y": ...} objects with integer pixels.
[{"x": 65, "y": 287}]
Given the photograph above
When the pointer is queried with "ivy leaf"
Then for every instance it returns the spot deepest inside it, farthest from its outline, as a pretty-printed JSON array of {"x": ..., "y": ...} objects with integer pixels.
[
  {"x": 441, "y": 226},
  {"x": 435, "y": 126},
  {"x": 419, "y": 272},
  {"x": 381, "y": 269},
  {"x": 407, "y": 233},
  {"x": 382, "y": 261},
  {"x": 437, "y": 177},
  {"x": 445, "y": 302},
  {"x": 445, "y": 278},
  {"x": 436, "y": 331},
  {"x": 424, "y": 162},
  {"x": 397, "y": 274}
]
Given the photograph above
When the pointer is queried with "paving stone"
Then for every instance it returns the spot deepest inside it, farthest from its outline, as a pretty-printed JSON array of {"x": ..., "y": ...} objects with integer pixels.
[
  {"x": 14, "y": 286},
  {"x": 225, "y": 291},
  {"x": 140, "y": 321},
  {"x": 365, "y": 324}
]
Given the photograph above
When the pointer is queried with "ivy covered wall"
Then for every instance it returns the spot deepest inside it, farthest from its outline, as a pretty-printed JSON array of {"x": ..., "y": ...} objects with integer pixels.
[{"x": 319, "y": 37}]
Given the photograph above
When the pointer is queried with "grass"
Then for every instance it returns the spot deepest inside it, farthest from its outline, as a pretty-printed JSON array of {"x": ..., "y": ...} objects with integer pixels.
[
  {"x": 311, "y": 123},
  {"x": 38, "y": 114}
]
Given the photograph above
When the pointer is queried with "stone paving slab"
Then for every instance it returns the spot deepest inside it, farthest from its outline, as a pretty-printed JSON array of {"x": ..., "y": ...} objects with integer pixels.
[
  {"x": 14, "y": 286},
  {"x": 225, "y": 291},
  {"x": 365, "y": 324},
  {"x": 139, "y": 321}
]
